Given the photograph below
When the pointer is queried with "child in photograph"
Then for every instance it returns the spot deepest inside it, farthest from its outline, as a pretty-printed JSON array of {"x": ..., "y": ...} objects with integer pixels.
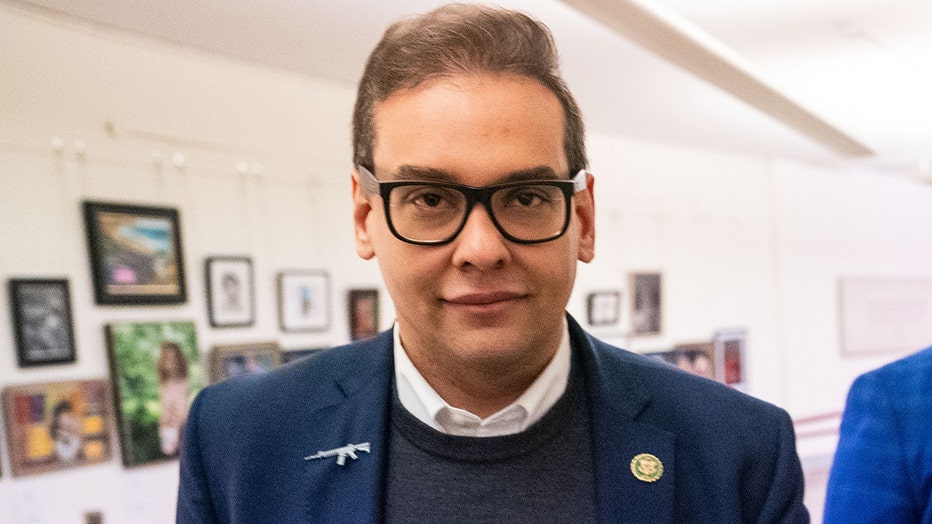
[
  {"x": 172, "y": 367},
  {"x": 67, "y": 432}
]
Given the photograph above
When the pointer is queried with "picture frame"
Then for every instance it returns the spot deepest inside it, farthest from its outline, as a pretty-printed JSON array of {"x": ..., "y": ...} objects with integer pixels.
[
  {"x": 42, "y": 321},
  {"x": 304, "y": 300},
  {"x": 363, "y": 305},
  {"x": 135, "y": 254},
  {"x": 155, "y": 372},
  {"x": 646, "y": 303},
  {"x": 57, "y": 425},
  {"x": 294, "y": 355},
  {"x": 697, "y": 358},
  {"x": 234, "y": 360},
  {"x": 730, "y": 347},
  {"x": 230, "y": 291},
  {"x": 603, "y": 308}
]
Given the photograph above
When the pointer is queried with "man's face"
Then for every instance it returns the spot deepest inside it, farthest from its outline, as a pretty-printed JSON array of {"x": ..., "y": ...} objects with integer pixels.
[{"x": 479, "y": 300}]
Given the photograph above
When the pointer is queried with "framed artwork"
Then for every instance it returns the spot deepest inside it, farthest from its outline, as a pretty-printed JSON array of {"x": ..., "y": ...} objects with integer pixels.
[
  {"x": 230, "y": 299},
  {"x": 135, "y": 254},
  {"x": 56, "y": 425},
  {"x": 294, "y": 355},
  {"x": 304, "y": 300},
  {"x": 603, "y": 308},
  {"x": 363, "y": 313},
  {"x": 155, "y": 370},
  {"x": 42, "y": 323},
  {"x": 729, "y": 357},
  {"x": 230, "y": 361},
  {"x": 646, "y": 303}
]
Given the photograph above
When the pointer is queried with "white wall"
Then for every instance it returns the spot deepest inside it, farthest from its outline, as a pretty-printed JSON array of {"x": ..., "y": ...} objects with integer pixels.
[{"x": 741, "y": 242}]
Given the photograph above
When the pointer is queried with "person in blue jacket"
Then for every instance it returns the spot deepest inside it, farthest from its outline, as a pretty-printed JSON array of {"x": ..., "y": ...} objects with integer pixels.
[
  {"x": 882, "y": 471},
  {"x": 486, "y": 401}
]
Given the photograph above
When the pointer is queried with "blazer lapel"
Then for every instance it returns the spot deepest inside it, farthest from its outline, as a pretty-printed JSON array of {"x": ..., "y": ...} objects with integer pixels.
[
  {"x": 357, "y": 414},
  {"x": 628, "y": 454}
]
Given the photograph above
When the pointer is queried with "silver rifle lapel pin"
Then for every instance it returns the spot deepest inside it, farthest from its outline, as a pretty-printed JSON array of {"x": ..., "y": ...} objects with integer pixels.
[{"x": 341, "y": 453}]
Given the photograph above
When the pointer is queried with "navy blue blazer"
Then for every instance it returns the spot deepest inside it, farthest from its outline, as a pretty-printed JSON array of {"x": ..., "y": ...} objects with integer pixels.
[
  {"x": 727, "y": 457},
  {"x": 882, "y": 470}
]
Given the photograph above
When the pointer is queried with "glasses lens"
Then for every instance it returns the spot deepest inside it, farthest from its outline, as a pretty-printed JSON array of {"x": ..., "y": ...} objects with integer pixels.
[
  {"x": 530, "y": 212},
  {"x": 426, "y": 213}
]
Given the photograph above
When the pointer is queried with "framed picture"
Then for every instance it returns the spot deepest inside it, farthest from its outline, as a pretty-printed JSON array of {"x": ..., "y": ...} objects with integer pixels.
[
  {"x": 243, "y": 359},
  {"x": 646, "y": 303},
  {"x": 41, "y": 314},
  {"x": 155, "y": 371},
  {"x": 363, "y": 313},
  {"x": 57, "y": 425},
  {"x": 135, "y": 254},
  {"x": 729, "y": 357},
  {"x": 294, "y": 355},
  {"x": 230, "y": 299},
  {"x": 603, "y": 308},
  {"x": 304, "y": 300},
  {"x": 696, "y": 358}
]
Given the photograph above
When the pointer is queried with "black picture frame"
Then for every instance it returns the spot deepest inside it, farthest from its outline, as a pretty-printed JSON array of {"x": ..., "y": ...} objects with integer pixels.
[
  {"x": 41, "y": 314},
  {"x": 135, "y": 254},
  {"x": 603, "y": 308},
  {"x": 230, "y": 291}
]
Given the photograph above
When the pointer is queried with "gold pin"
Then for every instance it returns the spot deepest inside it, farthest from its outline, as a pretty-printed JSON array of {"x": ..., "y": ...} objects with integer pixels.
[{"x": 646, "y": 467}]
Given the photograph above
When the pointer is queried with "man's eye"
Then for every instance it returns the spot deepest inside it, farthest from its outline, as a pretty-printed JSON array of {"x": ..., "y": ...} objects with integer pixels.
[{"x": 528, "y": 197}]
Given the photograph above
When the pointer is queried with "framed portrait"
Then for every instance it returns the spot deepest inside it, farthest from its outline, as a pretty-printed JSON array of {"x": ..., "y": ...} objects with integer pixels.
[
  {"x": 155, "y": 369},
  {"x": 729, "y": 357},
  {"x": 294, "y": 355},
  {"x": 646, "y": 303},
  {"x": 363, "y": 313},
  {"x": 57, "y": 425},
  {"x": 304, "y": 300},
  {"x": 603, "y": 308},
  {"x": 696, "y": 358},
  {"x": 230, "y": 361},
  {"x": 42, "y": 323},
  {"x": 135, "y": 254},
  {"x": 230, "y": 298}
]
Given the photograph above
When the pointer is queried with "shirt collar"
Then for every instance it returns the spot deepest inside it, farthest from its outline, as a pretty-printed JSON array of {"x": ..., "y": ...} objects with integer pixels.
[{"x": 422, "y": 401}]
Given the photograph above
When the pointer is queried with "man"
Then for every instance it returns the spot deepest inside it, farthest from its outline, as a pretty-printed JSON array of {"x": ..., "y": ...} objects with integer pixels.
[
  {"x": 882, "y": 470},
  {"x": 486, "y": 402}
]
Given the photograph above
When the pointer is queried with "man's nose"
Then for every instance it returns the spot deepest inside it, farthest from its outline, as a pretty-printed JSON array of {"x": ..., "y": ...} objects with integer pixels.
[{"x": 480, "y": 244}]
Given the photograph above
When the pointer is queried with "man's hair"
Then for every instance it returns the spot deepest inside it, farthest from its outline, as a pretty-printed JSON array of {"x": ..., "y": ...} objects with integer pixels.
[{"x": 457, "y": 40}]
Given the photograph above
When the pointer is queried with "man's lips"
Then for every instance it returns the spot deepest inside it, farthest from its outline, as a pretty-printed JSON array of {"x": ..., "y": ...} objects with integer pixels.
[{"x": 483, "y": 298}]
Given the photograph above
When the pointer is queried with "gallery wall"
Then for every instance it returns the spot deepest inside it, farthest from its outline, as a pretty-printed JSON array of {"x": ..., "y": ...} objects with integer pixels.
[{"x": 256, "y": 162}]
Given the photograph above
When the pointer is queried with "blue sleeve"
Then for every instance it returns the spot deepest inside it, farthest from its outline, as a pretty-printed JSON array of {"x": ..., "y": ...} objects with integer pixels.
[
  {"x": 194, "y": 502},
  {"x": 868, "y": 480}
]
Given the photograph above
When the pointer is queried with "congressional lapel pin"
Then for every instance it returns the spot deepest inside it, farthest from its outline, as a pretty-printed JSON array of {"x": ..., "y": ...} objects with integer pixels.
[
  {"x": 341, "y": 453},
  {"x": 646, "y": 467}
]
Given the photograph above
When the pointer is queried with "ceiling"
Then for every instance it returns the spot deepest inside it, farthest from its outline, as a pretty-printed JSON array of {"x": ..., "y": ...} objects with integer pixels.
[{"x": 860, "y": 68}]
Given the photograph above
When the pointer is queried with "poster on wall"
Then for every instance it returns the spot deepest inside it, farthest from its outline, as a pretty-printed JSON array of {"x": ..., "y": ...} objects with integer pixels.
[
  {"x": 156, "y": 372},
  {"x": 729, "y": 357},
  {"x": 363, "y": 313},
  {"x": 41, "y": 314},
  {"x": 57, "y": 425},
  {"x": 235, "y": 360},
  {"x": 230, "y": 299},
  {"x": 697, "y": 358},
  {"x": 135, "y": 254},
  {"x": 885, "y": 315},
  {"x": 646, "y": 303},
  {"x": 304, "y": 300}
]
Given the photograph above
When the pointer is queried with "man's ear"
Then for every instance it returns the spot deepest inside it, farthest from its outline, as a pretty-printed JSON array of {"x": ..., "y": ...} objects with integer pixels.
[
  {"x": 585, "y": 213},
  {"x": 362, "y": 209}
]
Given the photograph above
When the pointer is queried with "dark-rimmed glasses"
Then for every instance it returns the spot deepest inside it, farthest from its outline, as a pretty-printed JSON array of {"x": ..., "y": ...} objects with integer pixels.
[{"x": 433, "y": 213}]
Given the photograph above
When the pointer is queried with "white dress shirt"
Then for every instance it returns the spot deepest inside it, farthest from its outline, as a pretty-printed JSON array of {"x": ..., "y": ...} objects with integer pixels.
[{"x": 422, "y": 401}]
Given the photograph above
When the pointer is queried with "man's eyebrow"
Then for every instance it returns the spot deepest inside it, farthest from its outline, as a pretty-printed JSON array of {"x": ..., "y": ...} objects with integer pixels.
[{"x": 428, "y": 174}]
